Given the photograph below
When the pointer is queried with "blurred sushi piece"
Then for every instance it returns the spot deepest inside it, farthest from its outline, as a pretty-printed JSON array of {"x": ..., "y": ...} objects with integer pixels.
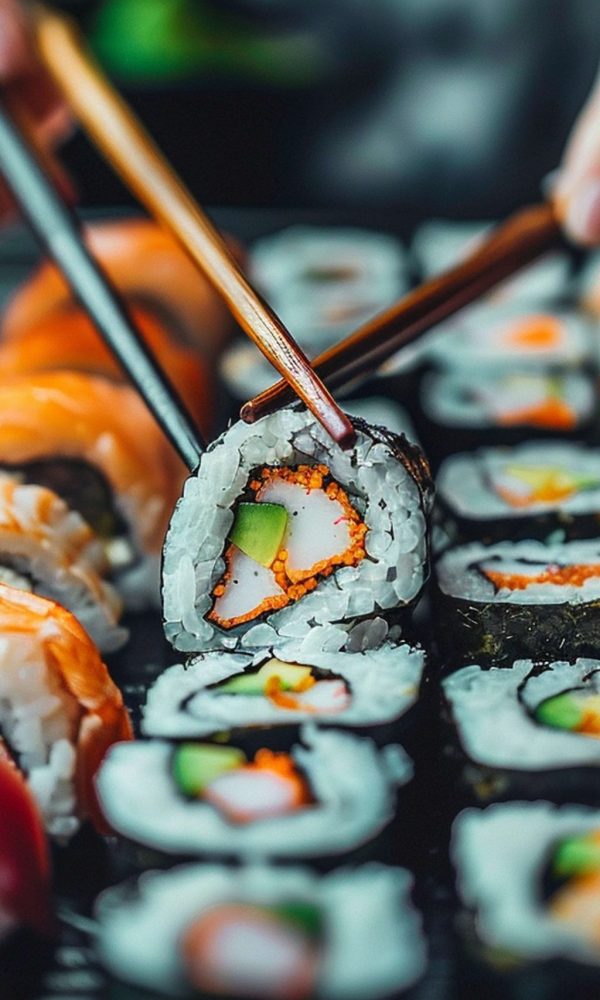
[
  {"x": 95, "y": 444},
  {"x": 227, "y": 691},
  {"x": 440, "y": 244},
  {"x": 149, "y": 268},
  {"x": 504, "y": 407},
  {"x": 326, "y": 282},
  {"x": 281, "y": 528},
  {"x": 59, "y": 709},
  {"x": 528, "y": 731},
  {"x": 263, "y": 932},
  {"x": 66, "y": 340},
  {"x": 330, "y": 793},
  {"x": 513, "y": 337},
  {"x": 24, "y": 858},
  {"x": 503, "y": 602},
  {"x": 530, "y": 491},
  {"x": 48, "y": 549},
  {"x": 529, "y": 873}
]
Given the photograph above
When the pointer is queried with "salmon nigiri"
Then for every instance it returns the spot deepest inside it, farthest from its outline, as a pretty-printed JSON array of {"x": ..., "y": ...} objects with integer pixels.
[
  {"x": 59, "y": 709},
  {"x": 66, "y": 339},
  {"x": 96, "y": 445},
  {"x": 148, "y": 267}
]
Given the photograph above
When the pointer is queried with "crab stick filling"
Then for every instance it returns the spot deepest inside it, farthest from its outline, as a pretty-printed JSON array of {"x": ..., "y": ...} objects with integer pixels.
[
  {"x": 242, "y": 791},
  {"x": 297, "y": 528},
  {"x": 241, "y": 949},
  {"x": 575, "y": 871},
  {"x": 523, "y": 485},
  {"x": 522, "y": 398},
  {"x": 577, "y": 711},
  {"x": 291, "y": 687},
  {"x": 520, "y": 576}
]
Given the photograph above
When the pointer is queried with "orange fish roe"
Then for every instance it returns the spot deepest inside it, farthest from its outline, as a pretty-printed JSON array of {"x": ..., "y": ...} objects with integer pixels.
[
  {"x": 570, "y": 576},
  {"x": 550, "y": 413},
  {"x": 295, "y": 583},
  {"x": 287, "y": 699},
  {"x": 535, "y": 332},
  {"x": 549, "y": 493}
]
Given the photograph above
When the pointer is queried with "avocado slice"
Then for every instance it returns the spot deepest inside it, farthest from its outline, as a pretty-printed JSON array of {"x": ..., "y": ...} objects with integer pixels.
[
  {"x": 560, "y": 712},
  {"x": 258, "y": 530},
  {"x": 195, "y": 765},
  {"x": 290, "y": 675},
  {"x": 577, "y": 856}
]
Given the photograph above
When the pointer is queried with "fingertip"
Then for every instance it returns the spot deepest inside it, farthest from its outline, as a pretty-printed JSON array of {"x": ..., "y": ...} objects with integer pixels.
[{"x": 580, "y": 213}]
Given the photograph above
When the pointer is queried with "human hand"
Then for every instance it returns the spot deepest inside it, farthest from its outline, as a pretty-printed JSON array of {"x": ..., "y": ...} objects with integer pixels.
[
  {"x": 29, "y": 91},
  {"x": 576, "y": 194}
]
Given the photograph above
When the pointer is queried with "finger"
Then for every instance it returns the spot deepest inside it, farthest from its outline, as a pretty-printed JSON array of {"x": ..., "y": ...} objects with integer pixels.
[{"x": 577, "y": 192}]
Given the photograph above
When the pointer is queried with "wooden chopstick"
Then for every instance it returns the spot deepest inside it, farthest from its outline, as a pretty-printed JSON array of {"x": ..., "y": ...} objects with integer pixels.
[
  {"x": 125, "y": 143},
  {"x": 58, "y": 231},
  {"x": 522, "y": 238}
]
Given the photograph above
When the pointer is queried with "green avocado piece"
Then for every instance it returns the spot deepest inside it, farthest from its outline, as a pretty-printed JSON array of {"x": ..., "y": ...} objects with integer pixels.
[
  {"x": 577, "y": 856},
  {"x": 195, "y": 765},
  {"x": 559, "y": 712},
  {"x": 290, "y": 676},
  {"x": 258, "y": 530}
]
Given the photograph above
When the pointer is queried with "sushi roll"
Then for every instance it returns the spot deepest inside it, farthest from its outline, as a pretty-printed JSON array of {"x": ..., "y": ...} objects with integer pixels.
[
  {"x": 280, "y": 529},
  {"x": 59, "y": 709},
  {"x": 24, "y": 858},
  {"x": 544, "y": 490},
  {"x": 513, "y": 337},
  {"x": 149, "y": 268},
  {"x": 261, "y": 932},
  {"x": 504, "y": 407},
  {"x": 326, "y": 282},
  {"x": 96, "y": 445},
  {"x": 331, "y": 793},
  {"x": 67, "y": 340},
  {"x": 528, "y": 730},
  {"x": 227, "y": 691},
  {"x": 50, "y": 550},
  {"x": 529, "y": 873},
  {"x": 500, "y": 602}
]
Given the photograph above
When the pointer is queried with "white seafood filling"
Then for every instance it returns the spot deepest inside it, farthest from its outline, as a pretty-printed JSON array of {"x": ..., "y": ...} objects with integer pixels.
[
  {"x": 506, "y": 398},
  {"x": 366, "y": 912},
  {"x": 383, "y": 685},
  {"x": 498, "y": 336},
  {"x": 476, "y": 486},
  {"x": 352, "y": 782},
  {"x": 500, "y": 854},
  {"x": 378, "y": 486},
  {"x": 491, "y": 711},
  {"x": 458, "y": 574}
]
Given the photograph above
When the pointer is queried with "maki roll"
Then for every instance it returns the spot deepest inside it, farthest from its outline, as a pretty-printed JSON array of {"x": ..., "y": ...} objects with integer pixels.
[
  {"x": 281, "y": 529},
  {"x": 261, "y": 932},
  {"x": 530, "y": 491},
  {"x": 330, "y": 793},
  {"x": 95, "y": 444},
  {"x": 500, "y": 602},
  {"x": 528, "y": 730},
  {"x": 504, "y": 407},
  {"x": 50, "y": 550},
  {"x": 530, "y": 875},
  {"x": 225, "y": 691},
  {"x": 59, "y": 709}
]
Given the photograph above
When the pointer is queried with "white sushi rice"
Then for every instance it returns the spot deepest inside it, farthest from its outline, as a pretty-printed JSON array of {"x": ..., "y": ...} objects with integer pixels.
[
  {"x": 468, "y": 484},
  {"x": 380, "y": 488},
  {"x": 60, "y": 558},
  {"x": 500, "y": 854},
  {"x": 492, "y": 710},
  {"x": 458, "y": 575},
  {"x": 39, "y": 719},
  {"x": 482, "y": 336},
  {"x": 373, "y": 939},
  {"x": 383, "y": 684},
  {"x": 452, "y": 398},
  {"x": 353, "y": 784}
]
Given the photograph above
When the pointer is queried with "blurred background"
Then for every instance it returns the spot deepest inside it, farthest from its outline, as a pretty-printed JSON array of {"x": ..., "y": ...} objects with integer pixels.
[{"x": 455, "y": 108}]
